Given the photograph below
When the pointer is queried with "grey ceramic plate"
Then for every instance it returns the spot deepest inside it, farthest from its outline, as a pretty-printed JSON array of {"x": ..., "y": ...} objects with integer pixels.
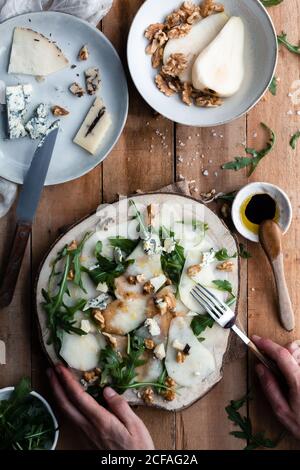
[
  {"x": 69, "y": 161},
  {"x": 260, "y": 62}
]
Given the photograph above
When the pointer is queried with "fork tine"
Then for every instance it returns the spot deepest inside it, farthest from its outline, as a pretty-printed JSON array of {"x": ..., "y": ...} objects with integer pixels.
[
  {"x": 212, "y": 296},
  {"x": 211, "y": 301},
  {"x": 204, "y": 304}
]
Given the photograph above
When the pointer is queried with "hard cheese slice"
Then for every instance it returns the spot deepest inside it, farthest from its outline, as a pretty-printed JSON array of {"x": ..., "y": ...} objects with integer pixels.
[
  {"x": 94, "y": 127},
  {"x": 34, "y": 54}
]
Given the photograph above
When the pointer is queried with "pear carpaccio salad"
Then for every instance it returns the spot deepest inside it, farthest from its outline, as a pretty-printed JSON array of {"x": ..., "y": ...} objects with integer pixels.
[
  {"x": 119, "y": 309},
  {"x": 199, "y": 53}
]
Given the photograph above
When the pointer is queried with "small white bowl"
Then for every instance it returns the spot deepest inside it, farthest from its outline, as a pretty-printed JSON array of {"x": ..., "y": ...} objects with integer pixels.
[
  {"x": 260, "y": 62},
  {"x": 5, "y": 394},
  {"x": 280, "y": 197}
]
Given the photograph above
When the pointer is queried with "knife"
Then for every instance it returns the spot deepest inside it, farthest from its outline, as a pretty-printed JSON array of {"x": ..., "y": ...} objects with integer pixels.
[{"x": 26, "y": 208}]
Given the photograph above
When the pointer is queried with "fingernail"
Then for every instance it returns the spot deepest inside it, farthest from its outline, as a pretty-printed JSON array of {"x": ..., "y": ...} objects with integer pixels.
[
  {"x": 256, "y": 337},
  {"x": 49, "y": 372},
  {"x": 109, "y": 392},
  {"x": 260, "y": 371}
]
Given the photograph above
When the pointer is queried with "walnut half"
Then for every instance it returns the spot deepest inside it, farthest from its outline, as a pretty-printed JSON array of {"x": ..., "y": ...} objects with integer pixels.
[{"x": 59, "y": 111}]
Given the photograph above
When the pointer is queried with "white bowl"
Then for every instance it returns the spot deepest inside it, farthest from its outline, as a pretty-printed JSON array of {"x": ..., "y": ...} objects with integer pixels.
[
  {"x": 5, "y": 394},
  {"x": 260, "y": 62},
  {"x": 280, "y": 197}
]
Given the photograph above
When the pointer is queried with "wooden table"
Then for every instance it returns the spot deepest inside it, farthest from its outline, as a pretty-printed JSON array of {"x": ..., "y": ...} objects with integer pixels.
[{"x": 147, "y": 157}]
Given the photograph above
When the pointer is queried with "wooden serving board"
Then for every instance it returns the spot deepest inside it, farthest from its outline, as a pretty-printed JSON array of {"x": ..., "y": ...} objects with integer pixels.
[{"x": 218, "y": 232}]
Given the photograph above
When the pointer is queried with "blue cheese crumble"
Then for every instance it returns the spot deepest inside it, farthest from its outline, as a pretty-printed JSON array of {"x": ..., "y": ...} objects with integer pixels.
[
  {"x": 38, "y": 125},
  {"x": 17, "y": 99}
]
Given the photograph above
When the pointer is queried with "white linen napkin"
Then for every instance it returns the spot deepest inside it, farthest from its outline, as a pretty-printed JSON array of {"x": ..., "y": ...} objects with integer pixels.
[{"x": 90, "y": 10}]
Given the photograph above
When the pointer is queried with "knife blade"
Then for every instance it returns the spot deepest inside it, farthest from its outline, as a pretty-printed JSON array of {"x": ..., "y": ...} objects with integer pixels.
[
  {"x": 26, "y": 209},
  {"x": 35, "y": 178}
]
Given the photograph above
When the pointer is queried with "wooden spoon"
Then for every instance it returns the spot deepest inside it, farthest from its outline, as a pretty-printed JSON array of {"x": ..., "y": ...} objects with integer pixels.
[{"x": 270, "y": 237}]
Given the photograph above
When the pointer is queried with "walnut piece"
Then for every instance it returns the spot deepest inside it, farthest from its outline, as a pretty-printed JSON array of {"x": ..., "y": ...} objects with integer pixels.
[
  {"x": 169, "y": 395},
  {"x": 148, "y": 288},
  {"x": 148, "y": 395},
  {"x": 153, "y": 29},
  {"x": 208, "y": 7},
  {"x": 193, "y": 270},
  {"x": 169, "y": 382},
  {"x": 208, "y": 101},
  {"x": 187, "y": 94},
  {"x": 112, "y": 341},
  {"x": 98, "y": 318},
  {"x": 159, "y": 40},
  {"x": 179, "y": 31},
  {"x": 59, "y": 111},
  {"x": 226, "y": 266},
  {"x": 157, "y": 58},
  {"x": 149, "y": 343},
  {"x": 180, "y": 357},
  {"x": 70, "y": 275},
  {"x": 76, "y": 89},
  {"x": 83, "y": 53},
  {"x": 163, "y": 85},
  {"x": 175, "y": 65},
  {"x": 92, "y": 80}
]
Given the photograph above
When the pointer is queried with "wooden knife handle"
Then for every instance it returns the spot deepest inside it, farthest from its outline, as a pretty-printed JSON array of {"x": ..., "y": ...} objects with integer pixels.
[
  {"x": 11, "y": 273},
  {"x": 271, "y": 240}
]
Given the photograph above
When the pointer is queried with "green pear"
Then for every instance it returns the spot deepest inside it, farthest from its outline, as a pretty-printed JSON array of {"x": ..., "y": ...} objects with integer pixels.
[
  {"x": 220, "y": 67},
  {"x": 201, "y": 34}
]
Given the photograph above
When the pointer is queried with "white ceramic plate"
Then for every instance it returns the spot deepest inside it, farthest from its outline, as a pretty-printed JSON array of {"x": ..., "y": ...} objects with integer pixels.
[
  {"x": 260, "y": 62},
  {"x": 69, "y": 161}
]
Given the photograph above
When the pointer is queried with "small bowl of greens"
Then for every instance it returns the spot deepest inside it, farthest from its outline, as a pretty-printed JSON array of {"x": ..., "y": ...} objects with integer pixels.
[{"x": 27, "y": 421}]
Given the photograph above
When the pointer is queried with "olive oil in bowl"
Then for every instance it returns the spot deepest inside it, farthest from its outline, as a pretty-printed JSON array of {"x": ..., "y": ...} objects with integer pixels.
[
  {"x": 257, "y": 208},
  {"x": 257, "y": 202}
]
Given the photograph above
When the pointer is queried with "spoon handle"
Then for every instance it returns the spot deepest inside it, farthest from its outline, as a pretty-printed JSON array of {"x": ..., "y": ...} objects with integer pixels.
[{"x": 270, "y": 237}]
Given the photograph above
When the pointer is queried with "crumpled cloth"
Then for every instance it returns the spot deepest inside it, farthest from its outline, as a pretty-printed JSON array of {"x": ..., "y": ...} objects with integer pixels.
[{"x": 90, "y": 10}]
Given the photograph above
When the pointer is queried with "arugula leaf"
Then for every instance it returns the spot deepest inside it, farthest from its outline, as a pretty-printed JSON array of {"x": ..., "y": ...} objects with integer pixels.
[
  {"x": 282, "y": 39},
  {"x": 107, "y": 270},
  {"x": 144, "y": 231},
  {"x": 256, "y": 155},
  {"x": 271, "y": 3},
  {"x": 223, "y": 285},
  {"x": 228, "y": 196},
  {"x": 222, "y": 255},
  {"x": 98, "y": 248},
  {"x": 125, "y": 244},
  {"x": 25, "y": 424},
  {"x": 172, "y": 264},
  {"x": 243, "y": 252},
  {"x": 294, "y": 139},
  {"x": 273, "y": 86},
  {"x": 60, "y": 316},
  {"x": 201, "y": 322},
  {"x": 254, "y": 441}
]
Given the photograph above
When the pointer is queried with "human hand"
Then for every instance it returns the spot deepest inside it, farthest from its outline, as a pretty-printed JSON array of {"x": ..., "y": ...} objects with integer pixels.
[
  {"x": 285, "y": 407},
  {"x": 117, "y": 429}
]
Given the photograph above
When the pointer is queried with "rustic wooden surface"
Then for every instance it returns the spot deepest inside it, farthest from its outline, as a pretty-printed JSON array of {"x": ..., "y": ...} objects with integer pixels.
[{"x": 151, "y": 153}]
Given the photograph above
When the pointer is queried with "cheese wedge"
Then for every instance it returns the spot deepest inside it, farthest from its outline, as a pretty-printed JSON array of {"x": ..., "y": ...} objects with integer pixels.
[
  {"x": 94, "y": 128},
  {"x": 34, "y": 54}
]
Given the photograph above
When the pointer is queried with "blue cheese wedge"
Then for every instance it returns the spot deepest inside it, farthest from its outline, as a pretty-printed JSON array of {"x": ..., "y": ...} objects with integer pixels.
[
  {"x": 37, "y": 126},
  {"x": 17, "y": 99},
  {"x": 94, "y": 128}
]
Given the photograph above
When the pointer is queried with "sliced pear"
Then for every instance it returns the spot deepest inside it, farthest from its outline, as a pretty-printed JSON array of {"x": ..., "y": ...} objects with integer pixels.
[
  {"x": 201, "y": 34},
  {"x": 220, "y": 67},
  {"x": 199, "y": 363},
  {"x": 82, "y": 352}
]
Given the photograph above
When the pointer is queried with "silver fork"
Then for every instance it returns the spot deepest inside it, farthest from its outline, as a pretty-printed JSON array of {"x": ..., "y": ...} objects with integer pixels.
[{"x": 225, "y": 317}]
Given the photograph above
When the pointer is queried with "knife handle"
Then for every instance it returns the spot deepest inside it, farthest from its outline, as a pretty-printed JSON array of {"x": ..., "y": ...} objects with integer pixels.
[{"x": 11, "y": 273}]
